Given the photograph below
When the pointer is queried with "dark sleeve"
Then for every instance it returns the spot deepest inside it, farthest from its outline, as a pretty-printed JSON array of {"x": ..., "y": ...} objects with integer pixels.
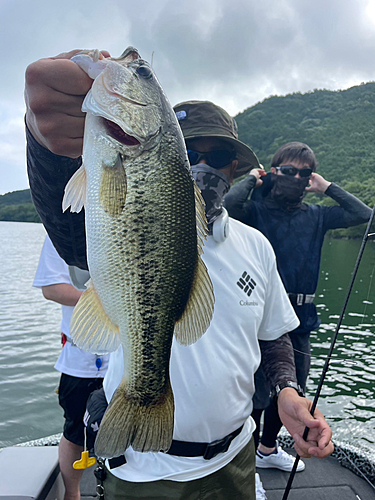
[
  {"x": 48, "y": 174},
  {"x": 351, "y": 212},
  {"x": 278, "y": 360},
  {"x": 236, "y": 199}
]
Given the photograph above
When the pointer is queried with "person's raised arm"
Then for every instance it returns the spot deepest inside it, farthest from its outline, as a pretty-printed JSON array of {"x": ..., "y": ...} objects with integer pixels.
[
  {"x": 235, "y": 200},
  {"x": 351, "y": 212},
  {"x": 54, "y": 91}
]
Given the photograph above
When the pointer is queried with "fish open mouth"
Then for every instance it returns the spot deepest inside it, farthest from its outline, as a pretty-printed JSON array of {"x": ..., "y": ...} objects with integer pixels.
[{"x": 117, "y": 133}]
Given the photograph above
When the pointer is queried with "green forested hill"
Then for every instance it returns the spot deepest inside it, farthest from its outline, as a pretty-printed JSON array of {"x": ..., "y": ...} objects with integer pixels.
[
  {"x": 17, "y": 206},
  {"x": 338, "y": 125}
]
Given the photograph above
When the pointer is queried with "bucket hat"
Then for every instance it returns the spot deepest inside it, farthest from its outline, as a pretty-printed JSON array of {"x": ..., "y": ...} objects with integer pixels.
[{"x": 206, "y": 119}]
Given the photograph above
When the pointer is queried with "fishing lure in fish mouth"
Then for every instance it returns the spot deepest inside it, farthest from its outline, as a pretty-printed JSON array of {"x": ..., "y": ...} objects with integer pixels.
[
  {"x": 145, "y": 231},
  {"x": 93, "y": 62}
]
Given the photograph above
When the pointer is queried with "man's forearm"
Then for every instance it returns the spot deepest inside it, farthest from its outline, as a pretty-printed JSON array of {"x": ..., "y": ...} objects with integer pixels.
[
  {"x": 237, "y": 196},
  {"x": 278, "y": 360},
  {"x": 357, "y": 211},
  {"x": 48, "y": 175}
]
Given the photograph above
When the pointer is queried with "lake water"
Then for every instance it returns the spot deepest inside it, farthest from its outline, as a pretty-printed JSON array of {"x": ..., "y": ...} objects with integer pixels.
[{"x": 30, "y": 342}]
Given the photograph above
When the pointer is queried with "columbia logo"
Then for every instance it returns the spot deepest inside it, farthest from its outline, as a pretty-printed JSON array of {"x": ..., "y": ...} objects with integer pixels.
[{"x": 246, "y": 283}]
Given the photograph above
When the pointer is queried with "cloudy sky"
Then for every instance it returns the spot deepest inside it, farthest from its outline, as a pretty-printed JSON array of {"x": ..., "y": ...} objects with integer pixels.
[{"x": 233, "y": 52}]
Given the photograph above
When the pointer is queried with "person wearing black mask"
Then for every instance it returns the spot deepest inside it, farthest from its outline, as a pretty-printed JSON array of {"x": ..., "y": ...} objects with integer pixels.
[{"x": 296, "y": 231}]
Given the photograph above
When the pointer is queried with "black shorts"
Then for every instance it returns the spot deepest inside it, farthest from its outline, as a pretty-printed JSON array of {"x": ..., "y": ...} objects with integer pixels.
[{"x": 73, "y": 395}]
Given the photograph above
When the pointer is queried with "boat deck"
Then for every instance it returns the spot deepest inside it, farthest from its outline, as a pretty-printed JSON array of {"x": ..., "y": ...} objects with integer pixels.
[{"x": 321, "y": 480}]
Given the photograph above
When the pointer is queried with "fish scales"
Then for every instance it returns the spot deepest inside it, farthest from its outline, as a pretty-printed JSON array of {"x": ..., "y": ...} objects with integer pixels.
[
  {"x": 163, "y": 257},
  {"x": 158, "y": 268},
  {"x": 145, "y": 226}
]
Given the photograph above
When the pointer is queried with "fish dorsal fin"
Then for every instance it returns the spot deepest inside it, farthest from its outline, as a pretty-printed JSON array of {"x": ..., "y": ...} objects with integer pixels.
[
  {"x": 198, "y": 312},
  {"x": 201, "y": 221},
  {"x": 90, "y": 327},
  {"x": 75, "y": 191}
]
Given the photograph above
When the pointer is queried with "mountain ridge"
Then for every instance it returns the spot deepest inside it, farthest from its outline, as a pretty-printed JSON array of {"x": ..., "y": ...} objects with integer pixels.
[{"x": 339, "y": 125}]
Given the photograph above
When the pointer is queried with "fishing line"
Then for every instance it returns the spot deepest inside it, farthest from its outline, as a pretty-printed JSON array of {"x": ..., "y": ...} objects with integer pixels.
[
  {"x": 370, "y": 285},
  {"x": 355, "y": 466},
  {"x": 333, "y": 341}
]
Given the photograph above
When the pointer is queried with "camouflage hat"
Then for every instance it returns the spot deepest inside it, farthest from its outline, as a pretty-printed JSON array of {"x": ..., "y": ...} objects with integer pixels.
[{"x": 205, "y": 119}]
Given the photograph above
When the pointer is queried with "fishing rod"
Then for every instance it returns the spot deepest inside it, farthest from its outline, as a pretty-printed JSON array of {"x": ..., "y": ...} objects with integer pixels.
[{"x": 334, "y": 338}]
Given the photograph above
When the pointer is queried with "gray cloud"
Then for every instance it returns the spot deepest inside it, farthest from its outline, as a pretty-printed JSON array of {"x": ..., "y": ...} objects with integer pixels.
[{"x": 235, "y": 53}]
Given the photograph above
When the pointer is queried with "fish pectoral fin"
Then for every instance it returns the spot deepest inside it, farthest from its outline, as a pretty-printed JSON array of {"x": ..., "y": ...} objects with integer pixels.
[
  {"x": 199, "y": 309},
  {"x": 90, "y": 327},
  {"x": 126, "y": 423},
  {"x": 75, "y": 191},
  {"x": 113, "y": 188}
]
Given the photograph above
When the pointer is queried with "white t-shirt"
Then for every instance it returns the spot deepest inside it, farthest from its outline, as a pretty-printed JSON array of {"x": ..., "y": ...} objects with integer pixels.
[
  {"x": 72, "y": 361},
  {"x": 213, "y": 379}
]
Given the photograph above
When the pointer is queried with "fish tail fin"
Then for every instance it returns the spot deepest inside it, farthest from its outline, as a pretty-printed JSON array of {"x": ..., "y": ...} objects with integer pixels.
[{"x": 128, "y": 423}]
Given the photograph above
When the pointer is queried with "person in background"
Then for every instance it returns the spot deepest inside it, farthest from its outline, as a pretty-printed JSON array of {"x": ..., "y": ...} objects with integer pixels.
[
  {"x": 212, "y": 453},
  {"x": 296, "y": 232},
  {"x": 81, "y": 372}
]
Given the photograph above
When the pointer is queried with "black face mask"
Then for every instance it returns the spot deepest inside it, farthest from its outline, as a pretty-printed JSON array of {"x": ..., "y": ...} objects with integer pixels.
[
  {"x": 288, "y": 191},
  {"x": 214, "y": 185}
]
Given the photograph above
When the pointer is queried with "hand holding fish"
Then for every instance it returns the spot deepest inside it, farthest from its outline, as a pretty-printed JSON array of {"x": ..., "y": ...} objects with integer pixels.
[
  {"x": 54, "y": 93},
  {"x": 294, "y": 412}
]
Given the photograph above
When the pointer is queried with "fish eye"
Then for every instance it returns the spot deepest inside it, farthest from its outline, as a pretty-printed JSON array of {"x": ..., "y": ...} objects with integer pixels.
[{"x": 144, "y": 72}]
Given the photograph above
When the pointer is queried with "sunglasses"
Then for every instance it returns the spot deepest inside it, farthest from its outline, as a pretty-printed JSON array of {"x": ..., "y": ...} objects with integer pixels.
[
  {"x": 293, "y": 171},
  {"x": 215, "y": 159}
]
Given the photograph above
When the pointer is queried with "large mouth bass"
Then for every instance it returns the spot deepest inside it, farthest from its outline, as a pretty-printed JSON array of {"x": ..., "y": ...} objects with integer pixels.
[{"x": 145, "y": 226}]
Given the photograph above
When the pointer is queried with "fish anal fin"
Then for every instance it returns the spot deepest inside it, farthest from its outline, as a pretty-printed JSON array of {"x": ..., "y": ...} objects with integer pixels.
[
  {"x": 90, "y": 327},
  {"x": 199, "y": 309},
  {"x": 113, "y": 188},
  {"x": 128, "y": 423},
  {"x": 75, "y": 191}
]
